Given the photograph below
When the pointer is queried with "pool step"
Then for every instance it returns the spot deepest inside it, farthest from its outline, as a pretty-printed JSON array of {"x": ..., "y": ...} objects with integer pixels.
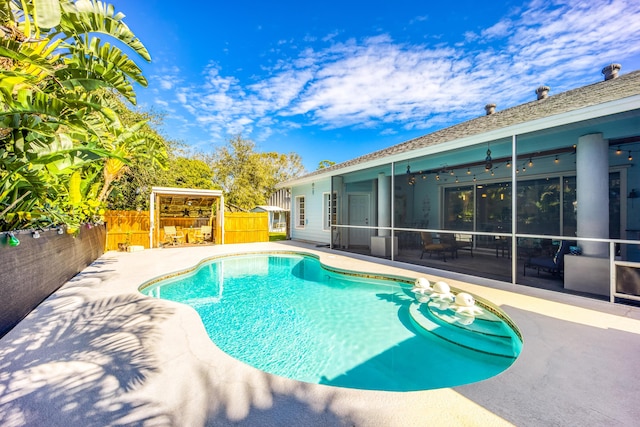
[{"x": 487, "y": 334}]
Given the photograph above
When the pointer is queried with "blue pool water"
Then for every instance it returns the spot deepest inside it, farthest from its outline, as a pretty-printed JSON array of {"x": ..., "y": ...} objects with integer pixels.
[{"x": 287, "y": 315}]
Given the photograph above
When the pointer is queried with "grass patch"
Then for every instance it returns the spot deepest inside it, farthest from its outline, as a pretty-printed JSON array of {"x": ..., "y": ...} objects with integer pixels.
[{"x": 274, "y": 237}]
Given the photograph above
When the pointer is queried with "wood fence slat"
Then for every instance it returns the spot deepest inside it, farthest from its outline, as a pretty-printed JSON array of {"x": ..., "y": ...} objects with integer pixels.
[{"x": 239, "y": 227}]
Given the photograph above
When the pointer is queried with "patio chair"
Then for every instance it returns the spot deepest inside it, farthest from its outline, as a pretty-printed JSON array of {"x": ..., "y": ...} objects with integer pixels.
[
  {"x": 203, "y": 234},
  {"x": 172, "y": 237},
  {"x": 553, "y": 265},
  {"x": 464, "y": 242},
  {"x": 428, "y": 246}
]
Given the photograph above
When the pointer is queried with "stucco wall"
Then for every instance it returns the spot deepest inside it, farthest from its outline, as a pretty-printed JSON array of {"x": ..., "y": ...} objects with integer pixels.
[{"x": 33, "y": 270}]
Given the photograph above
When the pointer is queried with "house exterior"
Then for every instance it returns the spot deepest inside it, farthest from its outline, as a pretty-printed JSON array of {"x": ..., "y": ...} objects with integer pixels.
[
  {"x": 514, "y": 183},
  {"x": 277, "y": 217}
]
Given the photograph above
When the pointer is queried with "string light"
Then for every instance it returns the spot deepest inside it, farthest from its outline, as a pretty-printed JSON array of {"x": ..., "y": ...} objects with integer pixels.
[
  {"x": 509, "y": 164},
  {"x": 474, "y": 178},
  {"x": 630, "y": 156},
  {"x": 556, "y": 161},
  {"x": 13, "y": 240},
  {"x": 618, "y": 151},
  {"x": 468, "y": 171},
  {"x": 456, "y": 179},
  {"x": 530, "y": 162}
]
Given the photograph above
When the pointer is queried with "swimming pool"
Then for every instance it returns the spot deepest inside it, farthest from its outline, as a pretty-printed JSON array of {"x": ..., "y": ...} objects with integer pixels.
[{"x": 288, "y": 315}]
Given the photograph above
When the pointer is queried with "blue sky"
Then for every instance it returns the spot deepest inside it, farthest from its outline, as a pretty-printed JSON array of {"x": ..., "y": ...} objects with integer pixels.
[{"x": 334, "y": 80}]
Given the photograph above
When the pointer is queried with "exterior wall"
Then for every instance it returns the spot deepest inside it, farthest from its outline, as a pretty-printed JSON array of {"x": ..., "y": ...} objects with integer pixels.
[
  {"x": 313, "y": 230},
  {"x": 32, "y": 271}
]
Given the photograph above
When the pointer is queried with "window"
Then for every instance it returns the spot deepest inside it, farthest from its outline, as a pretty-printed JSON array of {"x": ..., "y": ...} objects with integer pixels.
[
  {"x": 328, "y": 210},
  {"x": 300, "y": 214},
  {"x": 458, "y": 208}
]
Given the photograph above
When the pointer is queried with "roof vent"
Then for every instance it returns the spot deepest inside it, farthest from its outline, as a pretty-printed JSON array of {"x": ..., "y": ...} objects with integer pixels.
[
  {"x": 490, "y": 109},
  {"x": 543, "y": 92},
  {"x": 611, "y": 71}
]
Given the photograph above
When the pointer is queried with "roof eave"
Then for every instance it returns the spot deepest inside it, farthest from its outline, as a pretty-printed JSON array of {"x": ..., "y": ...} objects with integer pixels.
[{"x": 586, "y": 113}]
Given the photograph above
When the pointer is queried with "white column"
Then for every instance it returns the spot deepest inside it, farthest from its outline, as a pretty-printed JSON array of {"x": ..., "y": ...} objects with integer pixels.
[
  {"x": 384, "y": 204},
  {"x": 592, "y": 193}
]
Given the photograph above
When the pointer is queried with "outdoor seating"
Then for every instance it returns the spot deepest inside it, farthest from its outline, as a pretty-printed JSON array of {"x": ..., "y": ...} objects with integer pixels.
[
  {"x": 441, "y": 248},
  {"x": 203, "y": 234},
  {"x": 503, "y": 246},
  {"x": 464, "y": 242},
  {"x": 553, "y": 265},
  {"x": 172, "y": 236}
]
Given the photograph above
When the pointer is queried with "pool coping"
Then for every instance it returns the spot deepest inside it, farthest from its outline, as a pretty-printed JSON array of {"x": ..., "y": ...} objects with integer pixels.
[{"x": 578, "y": 364}]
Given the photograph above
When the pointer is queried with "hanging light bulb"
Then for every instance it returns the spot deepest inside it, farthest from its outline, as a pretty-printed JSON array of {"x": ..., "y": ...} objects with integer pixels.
[
  {"x": 451, "y": 172},
  {"x": 424, "y": 177},
  {"x": 509, "y": 164},
  {"x": 630, "y": 156},
  {"x": 530, "y": 162},
  {"x": 468, "y": 171},
  {"x": 437, "y": 177},
  {"x": 524, "y": 168},
  {"x": 13, "y": 240},
  {"x": 474, "y": 178},
  {"x": 556, "y": 160},
  {"x": 456, "y": 179},
  {"x": 618, "y": 151}
]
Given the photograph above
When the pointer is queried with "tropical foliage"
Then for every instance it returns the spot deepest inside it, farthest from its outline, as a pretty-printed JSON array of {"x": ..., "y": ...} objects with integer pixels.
[
  {"x": 133, "y": 189},
  {"x": 63, "y": 140}
]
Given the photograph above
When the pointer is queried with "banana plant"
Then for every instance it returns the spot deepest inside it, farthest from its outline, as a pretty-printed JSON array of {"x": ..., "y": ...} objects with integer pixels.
[{"x": 54, "y": 121}]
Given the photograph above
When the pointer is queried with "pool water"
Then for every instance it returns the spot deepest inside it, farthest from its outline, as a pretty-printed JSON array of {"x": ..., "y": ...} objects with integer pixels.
[{"x": 287, "y": 315}]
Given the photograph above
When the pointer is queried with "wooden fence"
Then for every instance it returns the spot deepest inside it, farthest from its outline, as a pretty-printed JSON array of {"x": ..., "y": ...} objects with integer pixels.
[
  {"x": 246, "y": 227},
  {"x": 132, "y": 227}
]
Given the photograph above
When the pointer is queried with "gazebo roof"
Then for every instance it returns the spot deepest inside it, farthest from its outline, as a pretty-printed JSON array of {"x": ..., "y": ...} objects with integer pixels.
[{"x": 196, "y": 197}]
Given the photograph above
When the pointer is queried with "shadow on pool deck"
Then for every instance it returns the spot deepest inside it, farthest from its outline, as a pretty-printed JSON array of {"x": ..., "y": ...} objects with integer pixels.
[{"x": 75, "y": 361}]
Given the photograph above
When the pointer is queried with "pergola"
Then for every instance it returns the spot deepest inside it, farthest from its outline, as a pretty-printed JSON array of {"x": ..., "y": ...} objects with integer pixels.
[{"x": 187, "y": 208}]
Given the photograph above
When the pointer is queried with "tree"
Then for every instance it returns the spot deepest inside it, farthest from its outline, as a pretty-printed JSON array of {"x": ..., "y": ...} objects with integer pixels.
[
  {"x": 57, "y": 128},
  {"x": 325, "y": 164},
  {"x": 249, "y": 177}
]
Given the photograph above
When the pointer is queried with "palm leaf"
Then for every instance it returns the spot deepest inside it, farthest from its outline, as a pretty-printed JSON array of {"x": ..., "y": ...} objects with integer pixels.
[
  {"x": 90, "y": 16},
  {"x": 47, "y": 13}
]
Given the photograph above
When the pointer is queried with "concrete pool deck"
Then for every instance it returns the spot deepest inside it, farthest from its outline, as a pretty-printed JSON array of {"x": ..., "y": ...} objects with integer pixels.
[{"x": 99, "y": 353}]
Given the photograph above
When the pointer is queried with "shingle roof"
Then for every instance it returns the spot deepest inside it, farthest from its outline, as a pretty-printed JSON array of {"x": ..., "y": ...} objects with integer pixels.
[{"x": 598, "y": 93}]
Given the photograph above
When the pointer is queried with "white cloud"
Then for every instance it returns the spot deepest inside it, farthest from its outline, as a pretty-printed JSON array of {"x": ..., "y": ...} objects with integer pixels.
[{"x": 377, "y": 82}]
